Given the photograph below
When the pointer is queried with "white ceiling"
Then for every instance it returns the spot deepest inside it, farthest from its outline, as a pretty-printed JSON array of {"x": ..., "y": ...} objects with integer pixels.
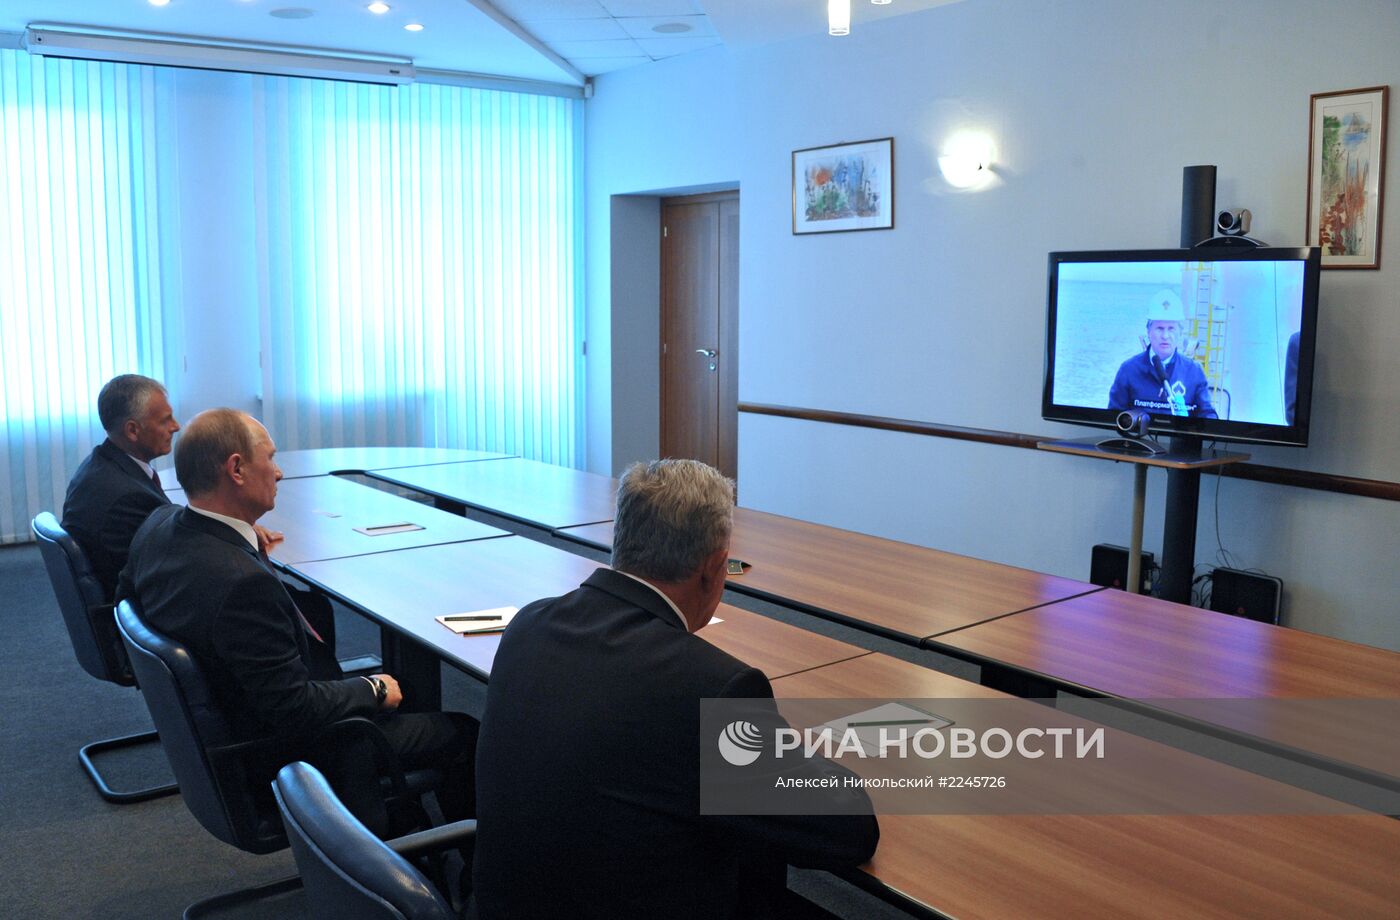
[{"x": 498, "y": 37}]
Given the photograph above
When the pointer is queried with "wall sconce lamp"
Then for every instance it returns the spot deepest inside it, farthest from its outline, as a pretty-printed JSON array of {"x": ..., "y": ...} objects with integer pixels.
[
  {"x": 966, "y": 161},
  {"x": 838, "y": 17}
]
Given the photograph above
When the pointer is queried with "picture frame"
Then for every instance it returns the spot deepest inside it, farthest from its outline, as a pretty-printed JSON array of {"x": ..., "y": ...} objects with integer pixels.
[
  {"x": 1346, "y": 175},
  {"x": 843, "y": 187}
]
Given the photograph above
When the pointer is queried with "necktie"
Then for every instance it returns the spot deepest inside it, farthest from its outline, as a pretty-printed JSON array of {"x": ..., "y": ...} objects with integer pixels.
[{"x": 155, "y": 477}]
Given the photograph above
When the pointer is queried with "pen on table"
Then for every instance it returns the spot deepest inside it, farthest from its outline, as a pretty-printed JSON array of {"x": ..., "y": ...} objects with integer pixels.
[
  {"x": 473, "y": 619},
  {"x": 889, "y": 722}
]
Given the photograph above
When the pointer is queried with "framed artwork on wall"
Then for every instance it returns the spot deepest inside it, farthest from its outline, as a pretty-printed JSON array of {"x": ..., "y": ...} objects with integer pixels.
[
  {"x": 843, "y": 187},
  {"x": 1346, "y": 176}
]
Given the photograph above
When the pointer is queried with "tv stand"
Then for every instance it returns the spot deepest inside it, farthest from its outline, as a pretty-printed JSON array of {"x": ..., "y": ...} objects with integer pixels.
[{"x": 1183, "y": 460}]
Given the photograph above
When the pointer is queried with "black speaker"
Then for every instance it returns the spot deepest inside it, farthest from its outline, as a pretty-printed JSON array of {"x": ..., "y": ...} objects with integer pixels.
[
  {"x": 1243, "y": 594},
  {"x": 1108, "y": 566},
  {"x": 1197, "y": 205}
]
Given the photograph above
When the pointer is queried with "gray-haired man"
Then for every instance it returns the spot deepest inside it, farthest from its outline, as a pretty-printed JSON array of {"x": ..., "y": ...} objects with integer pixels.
[{"x": 589, "y": 755}]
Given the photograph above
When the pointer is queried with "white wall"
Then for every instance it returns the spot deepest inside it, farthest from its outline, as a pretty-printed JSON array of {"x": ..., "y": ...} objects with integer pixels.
[
  {"x": 218, "y": 254},
  {"x": 1095, "y": 106}
]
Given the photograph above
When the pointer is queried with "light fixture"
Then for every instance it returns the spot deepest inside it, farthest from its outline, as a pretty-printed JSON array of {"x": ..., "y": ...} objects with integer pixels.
[
  {"x": 378, "y": 8},
  {"x": 838, "y": 17},
  {"x": 414, "y": 27},
  {"x": 880, "y": 2},
  {"x": 966, "y": 161},
  {"x": 158, "y": 2}
]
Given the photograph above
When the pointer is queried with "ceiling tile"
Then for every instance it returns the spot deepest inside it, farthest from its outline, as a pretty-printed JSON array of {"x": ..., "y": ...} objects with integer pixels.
[
  {"x": 621, "y": 8},
  {"x": 529, "y": 10},
  {"x": 642, "y": 26},
  {"x": 625, "y": 47},
  {"x": 594, "y": 66},
  {"x": 580, "y": 30},
  {"x": 659, "y": 48}
]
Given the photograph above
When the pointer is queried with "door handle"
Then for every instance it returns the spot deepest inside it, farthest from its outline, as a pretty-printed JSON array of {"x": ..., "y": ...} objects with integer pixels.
[{"x": 710, "y": 354}]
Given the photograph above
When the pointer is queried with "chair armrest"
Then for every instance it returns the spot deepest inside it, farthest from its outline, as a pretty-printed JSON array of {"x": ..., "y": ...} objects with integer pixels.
[{"x": 433, "y": 839}]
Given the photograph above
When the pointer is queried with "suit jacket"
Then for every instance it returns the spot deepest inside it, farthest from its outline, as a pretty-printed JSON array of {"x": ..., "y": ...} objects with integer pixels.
[
  {"x": 199, "y": 582},
  {"x": 108, "y": 499},
  {"x": 588, "y": 768}
]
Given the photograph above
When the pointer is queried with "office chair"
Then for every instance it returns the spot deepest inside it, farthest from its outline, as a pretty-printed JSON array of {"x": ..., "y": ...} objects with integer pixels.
[
  {"x": 349, "y": 873},
  {"x": 210, "y": 765},
  {"x": 93, "y": 633}
]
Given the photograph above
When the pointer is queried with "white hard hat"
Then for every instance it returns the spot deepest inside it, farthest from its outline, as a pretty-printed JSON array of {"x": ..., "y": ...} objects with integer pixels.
[{"x": 1165, "y": 307}]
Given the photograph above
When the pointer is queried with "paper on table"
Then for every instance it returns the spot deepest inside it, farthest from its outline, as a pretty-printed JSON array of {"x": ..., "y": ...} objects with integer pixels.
[
  {"x": 889, "y": 716},
  {"x": 478, "y": 621}
]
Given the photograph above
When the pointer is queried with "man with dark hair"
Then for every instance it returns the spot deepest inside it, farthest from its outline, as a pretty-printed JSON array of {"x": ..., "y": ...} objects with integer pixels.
[
  {"x": 199, "y": 576},
  {"x": 115, "y": 488},
  {"x": 588, "y": 765}
]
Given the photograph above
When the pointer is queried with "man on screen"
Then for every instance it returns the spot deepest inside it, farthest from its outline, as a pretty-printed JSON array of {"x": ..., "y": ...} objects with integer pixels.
[{"x": 1159, "y": 380}]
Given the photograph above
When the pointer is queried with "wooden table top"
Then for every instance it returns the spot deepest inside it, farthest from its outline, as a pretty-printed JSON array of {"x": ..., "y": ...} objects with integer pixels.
[
  {"x": 323, "y": 461},
  {"x": 993, "y": 867},
  {"x": 318, "y": 516},
  {"x": 405, "y": 590},
  {"x": 1140, "y": 648},
  {"x": 901, "y": 589},
  {"x": 525, "y": 490}
]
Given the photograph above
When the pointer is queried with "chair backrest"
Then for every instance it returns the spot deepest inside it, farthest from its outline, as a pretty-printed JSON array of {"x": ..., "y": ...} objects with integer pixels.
[
  {"x": 348, "y": 873},
  {"x": 86, "y": 610},
  {"x": 192, "y": 731}
]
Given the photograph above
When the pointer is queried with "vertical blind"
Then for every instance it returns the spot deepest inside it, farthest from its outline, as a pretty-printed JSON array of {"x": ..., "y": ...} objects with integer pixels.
[
  {"x": 87, "y": 260},
  {"x": 419, "y": 254},
  {"x": 418, "y": 276}
]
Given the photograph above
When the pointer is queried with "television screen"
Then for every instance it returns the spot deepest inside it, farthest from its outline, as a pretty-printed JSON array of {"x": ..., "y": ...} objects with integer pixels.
[{"x": 1215, "y": 342}]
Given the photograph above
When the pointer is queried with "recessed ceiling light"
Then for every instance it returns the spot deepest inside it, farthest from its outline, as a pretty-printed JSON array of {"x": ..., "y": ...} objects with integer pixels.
[
  {"x": 292, "y": 12},
  {"x": 414, "y": 27},
  {"x": 158, "y": 2},
  {"x": 671, "y": 28},
  {"x": 378, "y": 8}
]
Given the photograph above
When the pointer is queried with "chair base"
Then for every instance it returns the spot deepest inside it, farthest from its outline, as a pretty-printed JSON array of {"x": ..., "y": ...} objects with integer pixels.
[
  {"x": 88, "y": 751},
  {"x": 204, "y": 908}
]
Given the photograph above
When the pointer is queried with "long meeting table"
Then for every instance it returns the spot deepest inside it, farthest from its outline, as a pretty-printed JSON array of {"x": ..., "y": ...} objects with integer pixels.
[
  {"x": 899, "y": 590},
  {"x": 405, "y": 590},
  {"x": 1112, "y": 866},
  {"x": 1195, "y": 665}
]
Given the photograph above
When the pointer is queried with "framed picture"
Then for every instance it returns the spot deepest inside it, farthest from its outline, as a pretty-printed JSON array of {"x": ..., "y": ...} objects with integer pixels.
[
  {"x": 843, "y": 187},
  {"x": 1346, "y": 176}
]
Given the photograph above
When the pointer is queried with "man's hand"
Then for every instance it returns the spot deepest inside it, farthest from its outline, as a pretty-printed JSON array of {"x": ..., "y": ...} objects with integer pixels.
[
  {"x": 394, "y": 696},
  {"x": 267, "y": 539}
]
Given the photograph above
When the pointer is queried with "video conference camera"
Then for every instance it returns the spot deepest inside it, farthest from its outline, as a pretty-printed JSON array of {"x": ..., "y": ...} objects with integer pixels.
[{"x": 1234, "y": 222}]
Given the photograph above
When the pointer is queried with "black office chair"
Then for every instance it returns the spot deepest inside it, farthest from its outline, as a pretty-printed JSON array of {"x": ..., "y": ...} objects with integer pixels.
[
  {"x": 92, "y": 630},
  {"x": 210, "y": 765},
  {"x": 349, "y": 873}
]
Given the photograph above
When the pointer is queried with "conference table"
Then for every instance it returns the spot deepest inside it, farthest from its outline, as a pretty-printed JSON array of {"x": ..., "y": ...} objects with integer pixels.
[
  {"x": 325, "y": 517},
  {"x": 1318, "y": 699},
  {"x": 406, "y": 589},
  {"x": 539, "y": 494},
  {"x": 899, "y": 590},
  {"x": 1006, "y": 867},
  {"x": 325, "y": 461}
]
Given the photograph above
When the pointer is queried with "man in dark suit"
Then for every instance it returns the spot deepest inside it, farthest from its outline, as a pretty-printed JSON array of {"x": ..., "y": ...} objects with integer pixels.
[
  {"x": 199, "y": 577},
  {"x": 588, "y": 763},
  {"x": 115, "y": 488}
]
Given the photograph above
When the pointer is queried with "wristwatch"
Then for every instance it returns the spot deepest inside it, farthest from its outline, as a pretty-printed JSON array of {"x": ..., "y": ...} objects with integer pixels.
[{"x": 381, "y": 690}]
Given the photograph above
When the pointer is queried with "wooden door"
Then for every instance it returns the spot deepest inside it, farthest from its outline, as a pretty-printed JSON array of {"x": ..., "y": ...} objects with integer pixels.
[{"x": 699, "y": 329}]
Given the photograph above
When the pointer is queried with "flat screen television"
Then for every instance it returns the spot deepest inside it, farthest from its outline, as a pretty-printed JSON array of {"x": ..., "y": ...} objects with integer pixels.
[{"x": 1214, "y": 342}]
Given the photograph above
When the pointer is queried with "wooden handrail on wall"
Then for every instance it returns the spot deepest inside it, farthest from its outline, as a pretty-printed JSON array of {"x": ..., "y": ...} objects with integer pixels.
[{"x": 1303, "y": 479}]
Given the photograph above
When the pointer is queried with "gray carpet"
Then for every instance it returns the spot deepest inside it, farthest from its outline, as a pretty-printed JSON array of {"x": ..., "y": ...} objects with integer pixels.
[{"x": 73, "y": 856}]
